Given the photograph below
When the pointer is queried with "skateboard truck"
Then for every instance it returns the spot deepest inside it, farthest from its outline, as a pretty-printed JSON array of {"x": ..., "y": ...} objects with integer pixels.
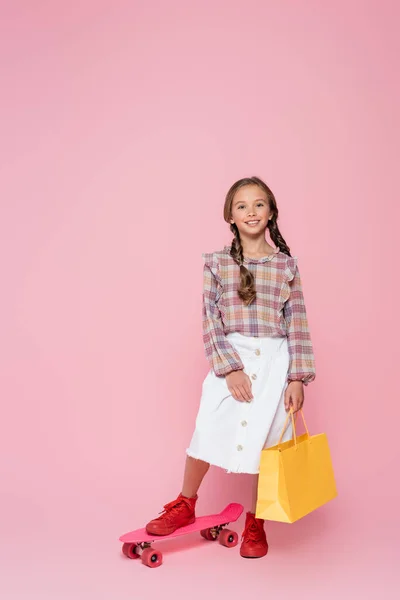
[{"x": 212, "y": 533}]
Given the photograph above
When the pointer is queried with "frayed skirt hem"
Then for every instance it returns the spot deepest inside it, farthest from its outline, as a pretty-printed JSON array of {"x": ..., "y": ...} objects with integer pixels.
[{"x": 220, "y": 466}]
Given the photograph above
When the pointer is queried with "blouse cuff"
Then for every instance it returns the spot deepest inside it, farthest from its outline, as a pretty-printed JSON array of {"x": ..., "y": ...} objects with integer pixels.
[
  {"x": 227, "y": 370},
  {"x": 306, "y": 379}
]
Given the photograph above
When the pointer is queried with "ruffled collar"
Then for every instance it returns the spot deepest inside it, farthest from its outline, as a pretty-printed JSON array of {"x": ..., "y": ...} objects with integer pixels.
[{"x": 255, "y": 260}]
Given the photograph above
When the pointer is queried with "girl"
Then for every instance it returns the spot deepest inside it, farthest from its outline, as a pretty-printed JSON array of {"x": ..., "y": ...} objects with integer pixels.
[{"x": 257, "y": 341}]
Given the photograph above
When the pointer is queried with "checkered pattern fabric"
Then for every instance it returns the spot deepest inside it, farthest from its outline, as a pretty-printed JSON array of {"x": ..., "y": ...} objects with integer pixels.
[{"x": 278, "y": 310}]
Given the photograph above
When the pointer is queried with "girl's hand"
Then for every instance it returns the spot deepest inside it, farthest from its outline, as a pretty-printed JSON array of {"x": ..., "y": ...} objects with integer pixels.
[
  {"x": 294, "y": 396},
  {"x": 239, "y": 385}
]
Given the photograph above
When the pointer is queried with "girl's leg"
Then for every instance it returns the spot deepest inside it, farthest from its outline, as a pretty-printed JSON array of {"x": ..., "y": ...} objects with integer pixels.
[
  {"x": 194, "y": 473},
  {"x": 182, "y": 512},
  {"x": 254, "y": 494}
]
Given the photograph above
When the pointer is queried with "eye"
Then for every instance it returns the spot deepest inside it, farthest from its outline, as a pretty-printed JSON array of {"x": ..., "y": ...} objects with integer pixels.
[
  {"x": 241, "y": 206},
  {"x": 260, "y": 204}
]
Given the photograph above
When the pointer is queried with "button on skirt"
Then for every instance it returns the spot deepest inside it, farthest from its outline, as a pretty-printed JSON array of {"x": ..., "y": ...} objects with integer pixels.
[{"x": 231, "y": 434}]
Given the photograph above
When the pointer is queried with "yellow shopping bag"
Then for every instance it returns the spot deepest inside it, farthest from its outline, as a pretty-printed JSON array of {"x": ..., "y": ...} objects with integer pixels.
[{"x": 296, "y": 477}]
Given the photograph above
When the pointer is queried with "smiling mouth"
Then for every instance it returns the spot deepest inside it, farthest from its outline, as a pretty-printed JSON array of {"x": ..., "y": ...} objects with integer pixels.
[{"x": 252, "y": 223}]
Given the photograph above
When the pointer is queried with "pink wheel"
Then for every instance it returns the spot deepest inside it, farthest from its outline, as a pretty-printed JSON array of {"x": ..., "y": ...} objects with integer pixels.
[
  {"x": 130, "y": 550},
  {"x": 228, "y": 538},
  {"x": 207, "y": 535},
  {"x": 151, "y": 558}
]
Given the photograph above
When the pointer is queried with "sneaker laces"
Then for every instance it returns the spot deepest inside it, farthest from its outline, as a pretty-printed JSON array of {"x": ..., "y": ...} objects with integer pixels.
[
  {"x": 172, "y": 509},
  {"x": 253, "y": 533}
]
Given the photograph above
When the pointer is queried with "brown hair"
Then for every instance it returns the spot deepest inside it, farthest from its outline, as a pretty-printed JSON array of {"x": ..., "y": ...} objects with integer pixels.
[{"x": 247, "y": 291}]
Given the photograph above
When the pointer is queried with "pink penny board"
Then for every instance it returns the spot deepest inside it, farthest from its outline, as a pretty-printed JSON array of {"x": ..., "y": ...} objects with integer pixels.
[
  {"x": 137, "y": 543},
  {"x": 230, "y": 514}
]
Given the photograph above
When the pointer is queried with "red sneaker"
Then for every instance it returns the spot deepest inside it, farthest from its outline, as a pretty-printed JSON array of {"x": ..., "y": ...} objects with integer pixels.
[
  {"x": 178, "y": 513},
  {"x": 254, "y": 541}
]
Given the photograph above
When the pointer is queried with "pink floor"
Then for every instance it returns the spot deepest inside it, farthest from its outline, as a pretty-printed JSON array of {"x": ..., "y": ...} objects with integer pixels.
[{"x": 333, "y": 553}]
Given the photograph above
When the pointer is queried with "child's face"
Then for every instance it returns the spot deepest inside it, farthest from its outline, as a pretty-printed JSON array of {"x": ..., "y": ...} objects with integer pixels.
[{"x": 250, "y": 204}]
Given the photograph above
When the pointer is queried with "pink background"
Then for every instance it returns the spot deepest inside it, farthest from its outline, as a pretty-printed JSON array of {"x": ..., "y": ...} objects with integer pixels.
[{"x": 123, "y": 125}]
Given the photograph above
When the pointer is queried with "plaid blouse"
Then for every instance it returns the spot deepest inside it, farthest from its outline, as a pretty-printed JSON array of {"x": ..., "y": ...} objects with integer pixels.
[{"x": 278, "y": 310}]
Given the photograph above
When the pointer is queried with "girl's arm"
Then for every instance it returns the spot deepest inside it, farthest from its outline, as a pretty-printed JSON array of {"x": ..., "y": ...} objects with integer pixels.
[
  {"x": 302, "y": 363},
  {"x": 220, "y": 353}
]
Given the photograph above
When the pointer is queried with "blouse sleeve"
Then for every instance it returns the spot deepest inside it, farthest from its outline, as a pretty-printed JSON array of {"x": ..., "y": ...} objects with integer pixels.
[
  {"x": 220, "y": 353},
  {"x": 302, "y": 363}
]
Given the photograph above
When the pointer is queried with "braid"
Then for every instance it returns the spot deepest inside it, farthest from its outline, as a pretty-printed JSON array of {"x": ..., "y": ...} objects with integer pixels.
[
  {"x": 237, "y": 248},
  {"x": 276, "y": 236},
  {"x": 247, "y": 290}
]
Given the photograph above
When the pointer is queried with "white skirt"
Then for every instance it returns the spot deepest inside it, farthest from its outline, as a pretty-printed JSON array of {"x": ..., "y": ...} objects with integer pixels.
[{"x": 231, "y": 434}]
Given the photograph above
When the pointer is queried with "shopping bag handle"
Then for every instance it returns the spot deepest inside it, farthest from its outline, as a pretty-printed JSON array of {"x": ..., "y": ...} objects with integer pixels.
[{"x": 291, "y": 415}]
